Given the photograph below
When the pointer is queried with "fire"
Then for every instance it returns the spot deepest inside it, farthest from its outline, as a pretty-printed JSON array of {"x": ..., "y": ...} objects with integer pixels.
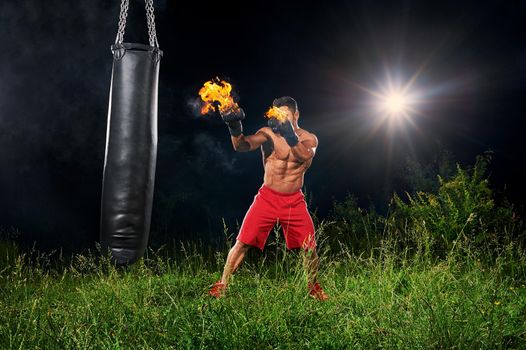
[
  {"x": 276, "y": 113},
  {"x": 216, "y": 95}
]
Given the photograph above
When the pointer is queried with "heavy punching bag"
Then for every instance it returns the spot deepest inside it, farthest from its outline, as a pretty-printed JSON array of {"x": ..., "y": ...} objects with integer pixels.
[{"x": 131, "y": 145}]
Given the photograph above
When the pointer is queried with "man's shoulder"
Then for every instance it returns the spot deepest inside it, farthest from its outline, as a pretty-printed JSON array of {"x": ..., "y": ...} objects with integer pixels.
[{"x": 307, "y": 135}]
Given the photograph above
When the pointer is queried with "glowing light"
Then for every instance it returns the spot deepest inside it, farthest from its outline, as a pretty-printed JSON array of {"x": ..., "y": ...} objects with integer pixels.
[
  {"x": 394, "y": 100},
  {"x": 395, "y": 104}
]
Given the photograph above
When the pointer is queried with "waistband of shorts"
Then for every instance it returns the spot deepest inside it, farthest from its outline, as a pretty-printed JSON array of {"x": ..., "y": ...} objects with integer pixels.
[{"x": 266, "y": 188}]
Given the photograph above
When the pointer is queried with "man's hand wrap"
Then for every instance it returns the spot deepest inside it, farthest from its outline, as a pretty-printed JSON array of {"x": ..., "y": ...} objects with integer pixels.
[
  {"x": 233, "y": 120},
  {"x": 285, "y": 129}
]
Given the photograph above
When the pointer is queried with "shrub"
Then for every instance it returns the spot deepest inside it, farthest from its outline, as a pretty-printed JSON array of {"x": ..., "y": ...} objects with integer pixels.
[
  {"x": 357, "y": 229},
  {"x": 464, "y": 207}
]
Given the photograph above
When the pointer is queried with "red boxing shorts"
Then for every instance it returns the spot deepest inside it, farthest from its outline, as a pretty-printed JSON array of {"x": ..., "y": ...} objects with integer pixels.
[{"x": 269, "y": 207}]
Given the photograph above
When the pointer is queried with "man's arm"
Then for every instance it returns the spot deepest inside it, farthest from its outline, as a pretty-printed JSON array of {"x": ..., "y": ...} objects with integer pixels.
[
  {"x": 241, "y": 142},
  {"x": 246, "y": 143},
  {"x": 302, "y": 150},
  {"x": 306, "y": 149}
]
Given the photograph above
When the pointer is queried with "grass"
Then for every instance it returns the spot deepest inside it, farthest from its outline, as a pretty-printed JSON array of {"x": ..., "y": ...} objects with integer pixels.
[{"x": 383, "y": 300}]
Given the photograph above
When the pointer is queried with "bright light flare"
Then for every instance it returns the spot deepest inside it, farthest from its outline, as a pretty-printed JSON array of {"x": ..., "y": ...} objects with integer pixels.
[
  {"x": 395, "y": 104},
  {"x": 394, "y": 101}
]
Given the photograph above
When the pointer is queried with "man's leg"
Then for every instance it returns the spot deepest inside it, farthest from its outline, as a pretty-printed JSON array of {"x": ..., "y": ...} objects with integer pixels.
[
  {"x": 234, "y": 259},
  {"x": 254, "y": 231},
  {"x": 298, "y": 229},
  {"x": 311, "y": 262}
]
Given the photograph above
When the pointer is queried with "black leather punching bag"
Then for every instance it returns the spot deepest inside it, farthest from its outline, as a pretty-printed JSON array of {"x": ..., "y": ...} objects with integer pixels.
[{"x": 131, "y": 145}]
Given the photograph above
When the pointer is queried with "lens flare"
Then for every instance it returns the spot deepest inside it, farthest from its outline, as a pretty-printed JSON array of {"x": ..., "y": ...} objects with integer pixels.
[
  {"x": 395, "y": 103},
  {"x": 394, "y": 100}
]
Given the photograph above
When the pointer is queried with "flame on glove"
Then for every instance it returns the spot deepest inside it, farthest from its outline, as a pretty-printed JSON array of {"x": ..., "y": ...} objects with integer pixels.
[
  {"x": 215, "y": 94},
  {"x": 275, "y": 112}
]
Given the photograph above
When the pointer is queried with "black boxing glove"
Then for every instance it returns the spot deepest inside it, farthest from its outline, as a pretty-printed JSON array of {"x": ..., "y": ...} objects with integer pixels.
[
  {"x": 285, "y": 129},
  {"x": 273, "y": 123},
  {"x": 233, "y": 120}
]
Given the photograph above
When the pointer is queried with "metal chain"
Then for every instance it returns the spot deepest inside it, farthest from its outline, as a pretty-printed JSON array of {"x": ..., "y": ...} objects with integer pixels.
[
  {"x": 125, "y": 4},
  {"x": 150, "y": 17}
]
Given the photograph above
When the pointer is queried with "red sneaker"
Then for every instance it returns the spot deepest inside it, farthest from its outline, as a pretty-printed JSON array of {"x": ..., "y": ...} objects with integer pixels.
[
  {"x": 217, "y": 289},
  {"x": 316, "y": 292}
]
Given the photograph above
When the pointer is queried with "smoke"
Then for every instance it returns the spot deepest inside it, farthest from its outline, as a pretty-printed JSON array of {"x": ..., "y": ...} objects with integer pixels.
[
  {"x": 211, "y": 153},
  {"x": 194, "y": 105},
  {"x": 55, "y": 76}
]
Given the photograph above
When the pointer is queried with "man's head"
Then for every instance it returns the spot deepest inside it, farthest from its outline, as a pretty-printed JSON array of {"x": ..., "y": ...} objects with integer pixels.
[{"x": 288, "y": 105}]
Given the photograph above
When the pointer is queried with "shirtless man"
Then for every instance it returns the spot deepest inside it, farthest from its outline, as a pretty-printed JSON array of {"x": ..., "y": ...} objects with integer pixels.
[{"x": 287, "y": 152}]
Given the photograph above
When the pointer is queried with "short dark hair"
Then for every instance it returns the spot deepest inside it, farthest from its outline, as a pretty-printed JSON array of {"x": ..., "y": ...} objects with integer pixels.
[{"x": 286, "y": 101}]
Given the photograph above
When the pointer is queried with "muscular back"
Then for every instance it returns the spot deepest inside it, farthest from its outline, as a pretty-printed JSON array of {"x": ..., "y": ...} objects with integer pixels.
[{"x": 284, "y": 170}]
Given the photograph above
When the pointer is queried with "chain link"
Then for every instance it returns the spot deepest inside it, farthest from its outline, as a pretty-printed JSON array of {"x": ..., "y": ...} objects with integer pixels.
[
  {"x": 150, "y": 17},
  {"x": 125, "y": 4}
]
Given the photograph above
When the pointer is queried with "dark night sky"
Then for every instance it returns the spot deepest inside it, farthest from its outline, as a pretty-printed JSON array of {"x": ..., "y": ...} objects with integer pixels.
[{"x": 55, "y": 69}]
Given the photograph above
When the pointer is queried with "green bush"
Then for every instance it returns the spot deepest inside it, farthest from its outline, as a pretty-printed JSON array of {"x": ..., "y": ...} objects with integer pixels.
[
  {"x": 432, "y": 223},
  {"x": 463, "y": 208},
  {"x": 355, "y": 228}
]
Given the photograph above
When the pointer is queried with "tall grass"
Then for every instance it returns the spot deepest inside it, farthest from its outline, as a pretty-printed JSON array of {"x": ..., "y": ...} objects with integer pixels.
[{"x": 382, "y": 299}]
